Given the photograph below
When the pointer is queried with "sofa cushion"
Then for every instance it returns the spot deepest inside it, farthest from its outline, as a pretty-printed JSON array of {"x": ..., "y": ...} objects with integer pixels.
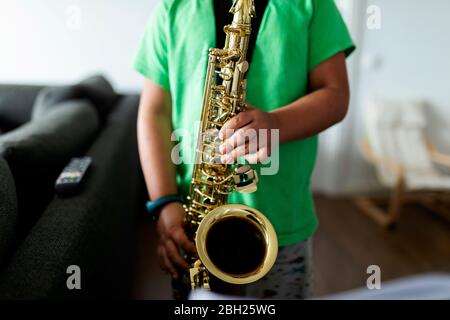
[
  {"x": 51, "y": 97},
  {"x": 93, "y": 229},
  {"x": 16, "y": 105},
  {"x": 96, "y": 88},
  {"x": 8, "y": 209},
  {"x": 37, "y": 152}
]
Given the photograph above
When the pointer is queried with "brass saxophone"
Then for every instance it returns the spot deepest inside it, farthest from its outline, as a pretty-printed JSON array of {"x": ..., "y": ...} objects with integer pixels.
[{"x": 235, "y": 243}]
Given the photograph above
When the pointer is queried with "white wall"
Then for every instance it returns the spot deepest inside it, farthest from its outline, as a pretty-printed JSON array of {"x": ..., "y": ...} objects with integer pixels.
[
  {"x": 408, "y": 58},
  {"x": 56, "y": 41},
  {"x": 413, "y": 49}
]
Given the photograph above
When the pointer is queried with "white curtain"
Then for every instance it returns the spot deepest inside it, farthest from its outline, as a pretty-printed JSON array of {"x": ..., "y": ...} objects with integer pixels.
[{"x": 338, "y": 152}]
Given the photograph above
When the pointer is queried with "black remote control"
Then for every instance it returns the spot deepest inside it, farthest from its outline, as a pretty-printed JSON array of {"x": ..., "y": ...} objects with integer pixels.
[{"x": 70, "y": 178}]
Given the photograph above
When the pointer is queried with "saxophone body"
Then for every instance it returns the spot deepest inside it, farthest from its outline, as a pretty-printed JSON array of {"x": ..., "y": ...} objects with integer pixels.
[{"x": 235, "y": 243}]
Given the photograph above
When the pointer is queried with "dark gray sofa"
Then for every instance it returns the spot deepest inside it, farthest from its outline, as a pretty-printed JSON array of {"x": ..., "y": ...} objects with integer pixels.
[{"x": 42, "y": 234}]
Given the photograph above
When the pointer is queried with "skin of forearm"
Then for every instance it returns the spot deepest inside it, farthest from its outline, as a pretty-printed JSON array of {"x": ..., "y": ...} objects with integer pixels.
[
  {"x": 154, "y": 131},
  {"x": 311, "y": 114}
]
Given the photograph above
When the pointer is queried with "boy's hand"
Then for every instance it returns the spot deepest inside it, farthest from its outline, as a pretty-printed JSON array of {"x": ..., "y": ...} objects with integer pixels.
[
  {"x": 171, "y": 238},
  {"x": 239, "y": 136}
]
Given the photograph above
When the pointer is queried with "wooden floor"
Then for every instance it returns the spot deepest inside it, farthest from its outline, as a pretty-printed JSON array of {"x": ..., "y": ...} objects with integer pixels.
[{"x": 346, "y": 243}]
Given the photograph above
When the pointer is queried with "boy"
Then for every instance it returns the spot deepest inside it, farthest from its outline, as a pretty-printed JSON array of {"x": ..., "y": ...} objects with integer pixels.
[{"x": 297, "y": 83}]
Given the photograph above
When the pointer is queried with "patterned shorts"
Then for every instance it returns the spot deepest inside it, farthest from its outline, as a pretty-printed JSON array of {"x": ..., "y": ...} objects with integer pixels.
[{"x": 290, "y": 277}]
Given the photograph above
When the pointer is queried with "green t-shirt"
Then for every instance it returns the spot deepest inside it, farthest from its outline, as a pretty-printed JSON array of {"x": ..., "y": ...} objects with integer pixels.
[{"x": 294, "y": 37}]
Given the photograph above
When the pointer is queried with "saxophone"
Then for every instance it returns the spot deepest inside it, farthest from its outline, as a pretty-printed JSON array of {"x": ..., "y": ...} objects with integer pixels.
[{"x": 235, "y": 243}]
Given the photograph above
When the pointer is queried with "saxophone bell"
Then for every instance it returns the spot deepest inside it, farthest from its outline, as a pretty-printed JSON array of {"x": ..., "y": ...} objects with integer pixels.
[{"x": 237, "y": 244}]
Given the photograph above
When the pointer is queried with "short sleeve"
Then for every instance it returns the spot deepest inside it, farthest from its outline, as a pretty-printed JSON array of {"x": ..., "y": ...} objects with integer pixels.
[
  {"x": 328, "y": 33},
  {"x": 151, "y": 57}
]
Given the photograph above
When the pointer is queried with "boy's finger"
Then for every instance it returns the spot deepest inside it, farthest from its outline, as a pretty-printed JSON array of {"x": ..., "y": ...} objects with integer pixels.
[
  {"x": 174, "y": 255},
  {"x": 181, "y": 239},
  {"x": 161, "y": 258},
  {"x": 244, "y": 149},
  {"x": 169, "y": 266},
  {"x": 240, "y": 137},
  {"x": 235, "y": 123}
]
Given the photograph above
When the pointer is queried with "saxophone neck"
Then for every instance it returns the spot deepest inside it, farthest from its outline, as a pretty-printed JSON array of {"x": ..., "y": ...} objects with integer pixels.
[{"x": 243, "y": 11}]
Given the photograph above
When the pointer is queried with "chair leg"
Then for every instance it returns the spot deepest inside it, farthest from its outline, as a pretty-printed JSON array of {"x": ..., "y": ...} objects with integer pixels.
[
  {"x": 396, "y": 202},
  {"x": 369, "y": 208},
  {"x": 384, "y": 219}
]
